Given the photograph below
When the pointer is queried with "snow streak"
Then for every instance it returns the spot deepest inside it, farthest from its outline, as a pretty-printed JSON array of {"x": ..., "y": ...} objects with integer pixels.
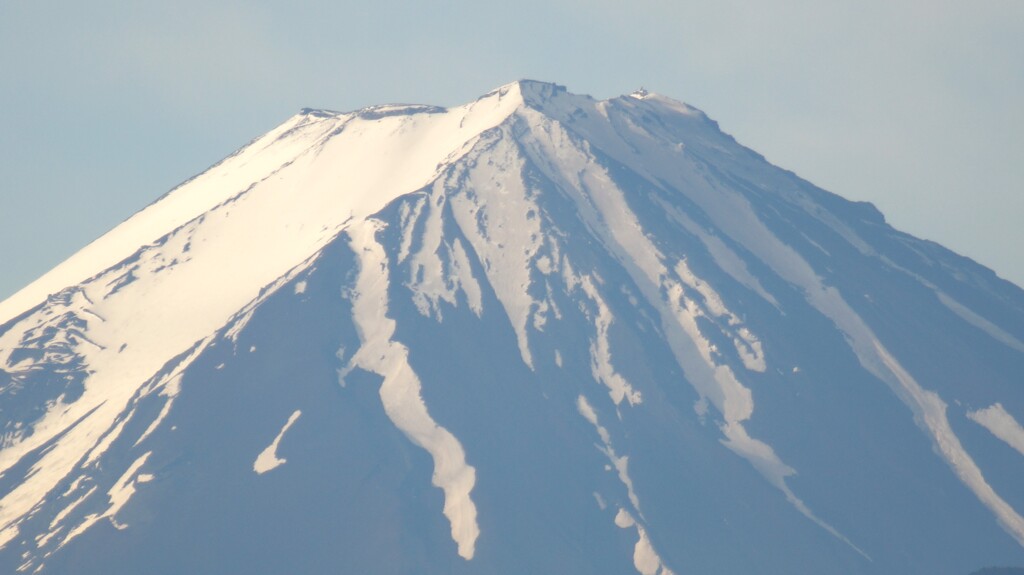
[
  {"x": 1001, "y": 424},
  {"x": 400, "y": 390},
  {"x": 606, "y": 212},
  {"x": 268, "y": 459},
  {"x": 645, "y": 558}
]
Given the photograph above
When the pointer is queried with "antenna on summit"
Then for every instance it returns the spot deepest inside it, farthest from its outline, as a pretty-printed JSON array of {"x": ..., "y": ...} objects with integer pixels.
[{"x": 641, "y": 93}]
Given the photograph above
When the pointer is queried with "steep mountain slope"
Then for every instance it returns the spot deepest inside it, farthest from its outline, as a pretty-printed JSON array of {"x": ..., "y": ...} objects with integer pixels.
[{"x": 536, "y": 333}]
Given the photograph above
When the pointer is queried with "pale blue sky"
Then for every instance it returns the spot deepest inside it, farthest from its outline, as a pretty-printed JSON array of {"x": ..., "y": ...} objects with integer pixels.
[{"x": 917, "y": 106}]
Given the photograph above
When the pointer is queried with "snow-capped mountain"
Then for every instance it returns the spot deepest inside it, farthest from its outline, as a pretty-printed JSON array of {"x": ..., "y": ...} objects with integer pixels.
[{"x": 537, "y": 333}]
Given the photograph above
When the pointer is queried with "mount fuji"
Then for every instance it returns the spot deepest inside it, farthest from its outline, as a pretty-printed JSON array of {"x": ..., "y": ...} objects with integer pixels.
[{"x": 536, "y": 333}]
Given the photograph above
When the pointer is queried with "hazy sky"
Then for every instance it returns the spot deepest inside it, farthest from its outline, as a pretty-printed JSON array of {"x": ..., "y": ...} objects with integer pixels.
[{"x": 917, "y": 106}]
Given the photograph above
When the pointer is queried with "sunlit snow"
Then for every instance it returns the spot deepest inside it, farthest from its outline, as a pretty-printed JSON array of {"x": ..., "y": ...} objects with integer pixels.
[
  {"x": 304, "y": 181},
  {"x": 578, "y": 233},
  {"x": 268, "y": 459},
  {"x": 400, "y": 390},
  {"x": 997, "y": 420}
]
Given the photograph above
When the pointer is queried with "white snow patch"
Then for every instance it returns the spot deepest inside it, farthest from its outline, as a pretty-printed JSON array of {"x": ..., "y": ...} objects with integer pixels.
[
  {"x": 763, "y": 458},
  {"x": 268, "y": 459},
  {"x": 63, "y": 513},
  {"x": 300, "y": 287},
  {"x": 120, "y": 493},
  {"x": 700, "y": 407},
  {"x": 400, "y": 390},
  {"x": 105, "y": 442},
  {"x": 44, "y": 538},
  {"x": 623, "y": 519},
  {"x": 712, "y": 301},
  {"x": 645, "y": 558},
  {"x": 170, "y": 387},
  {"x": 928, "y": 408},
  {"x": 600, "y": 350},
  {"x": 253, "y": 163},
  {"x": 123, "y": 490},
  {"x": 377, "y": 158},
  {"x": 74, "y": 485},
  {"x": 239, "y": 227},
  {"x": 164, "y": 411},
  {"x": 408, "y": 216},
  {"x": 607, "y": 213},
  {"x": 544, "y": 265},
  {"x": 7, "y": 534},
  {"x": 498, "y": 215},
  {"x": 238, "y": 323},
  {"x": 732, "y": 213},
  {"x": 726, "y": 259},
  {"x": 588, "y": 413},
  {"x": 86, "y": 523},
  {"x": 540, "y": 315},
  {"x": 620, "y": 463},
  {"x": 462, "y": 275},
  {"x": 432, "y": 279},
  {"x": 695, "y": 354},
  {"x": 748, "y": 346},
  {"x": 997, "y": 333},
  {"x": 930, "y": 412},
  {"x": 1001, "y": 424}
]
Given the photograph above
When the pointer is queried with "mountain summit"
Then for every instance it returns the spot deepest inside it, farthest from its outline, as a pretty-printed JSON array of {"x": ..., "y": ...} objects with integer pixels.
[{"x": 536, "y": 333}]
